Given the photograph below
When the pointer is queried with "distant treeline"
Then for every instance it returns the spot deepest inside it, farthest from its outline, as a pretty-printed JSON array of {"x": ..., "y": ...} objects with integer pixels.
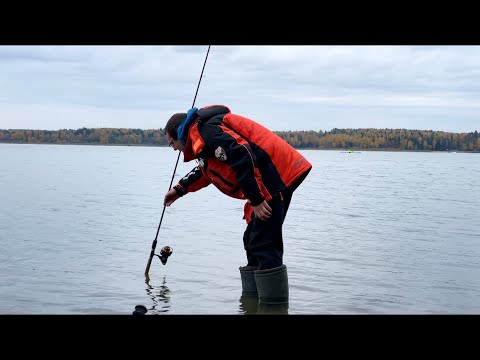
[{"x": 356, "y": 139}]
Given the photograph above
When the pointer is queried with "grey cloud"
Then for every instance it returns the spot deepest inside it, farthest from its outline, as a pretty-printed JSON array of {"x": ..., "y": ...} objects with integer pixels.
[{"x": 421, "y": 82}]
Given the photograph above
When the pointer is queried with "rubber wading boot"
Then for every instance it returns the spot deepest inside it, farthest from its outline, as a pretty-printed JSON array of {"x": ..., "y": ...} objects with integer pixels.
[
  {"x": 249, "y": 287},
  {"x": 272, "y": 285}
]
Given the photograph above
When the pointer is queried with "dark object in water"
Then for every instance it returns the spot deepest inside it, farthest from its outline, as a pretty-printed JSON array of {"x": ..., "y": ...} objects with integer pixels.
[{"x": 140, "y": 310}]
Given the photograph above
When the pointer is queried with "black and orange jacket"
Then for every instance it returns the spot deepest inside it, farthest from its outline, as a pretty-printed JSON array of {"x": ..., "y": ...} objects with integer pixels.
[{"x": 242, "y": 158}]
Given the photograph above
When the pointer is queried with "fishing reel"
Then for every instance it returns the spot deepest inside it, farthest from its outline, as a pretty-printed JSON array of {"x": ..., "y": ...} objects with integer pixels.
[{"x": 165, "y": 252}]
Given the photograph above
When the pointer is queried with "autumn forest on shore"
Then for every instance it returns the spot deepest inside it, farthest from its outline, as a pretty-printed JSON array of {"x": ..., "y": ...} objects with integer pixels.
[{"x": 351, "y": 139}]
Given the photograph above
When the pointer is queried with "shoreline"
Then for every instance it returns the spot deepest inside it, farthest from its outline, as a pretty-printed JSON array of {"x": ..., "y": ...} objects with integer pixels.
[{"x": 346, "y": 150}]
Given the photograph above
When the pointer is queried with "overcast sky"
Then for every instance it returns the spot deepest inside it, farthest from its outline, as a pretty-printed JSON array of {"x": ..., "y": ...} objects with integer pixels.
[{"x": 282, "y": 87}]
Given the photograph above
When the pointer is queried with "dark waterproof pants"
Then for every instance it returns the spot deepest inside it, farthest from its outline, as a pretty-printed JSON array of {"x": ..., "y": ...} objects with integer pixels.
[{"x": 263, "y": 240}]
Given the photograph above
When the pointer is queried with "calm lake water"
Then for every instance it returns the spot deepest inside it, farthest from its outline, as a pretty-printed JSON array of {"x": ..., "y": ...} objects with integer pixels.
[{"x": 366, "y": 233}]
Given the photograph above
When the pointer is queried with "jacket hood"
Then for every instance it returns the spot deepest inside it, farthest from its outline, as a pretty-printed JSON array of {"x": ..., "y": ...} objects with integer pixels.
[
  {"x": 193, "y": 115},
  {"x": 212, "y": 110}
]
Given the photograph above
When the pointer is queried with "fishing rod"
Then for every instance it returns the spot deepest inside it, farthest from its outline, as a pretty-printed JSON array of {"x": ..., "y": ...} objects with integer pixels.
[{"x": 166, "y": 251}]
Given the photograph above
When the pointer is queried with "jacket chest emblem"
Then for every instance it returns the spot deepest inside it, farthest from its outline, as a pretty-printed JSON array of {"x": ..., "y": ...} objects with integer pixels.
[{"x": 220, "y": 154}]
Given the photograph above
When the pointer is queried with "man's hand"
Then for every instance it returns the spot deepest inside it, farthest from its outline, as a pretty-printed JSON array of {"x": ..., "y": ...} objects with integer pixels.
[
  {"x": 170, "y": 197},
  {"x": 262, "y": 211}
]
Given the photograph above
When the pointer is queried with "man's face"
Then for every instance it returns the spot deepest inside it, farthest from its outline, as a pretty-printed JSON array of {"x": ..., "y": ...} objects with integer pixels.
[{"x": 175, "y": 144}]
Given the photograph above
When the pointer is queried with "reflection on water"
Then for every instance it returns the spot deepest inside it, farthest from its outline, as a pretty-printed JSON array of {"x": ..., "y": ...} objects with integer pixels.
[
  {"x": 160, "y": 296},
  {"x": 249, "y": 305},
  {"x": 280, "y": 309}
]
